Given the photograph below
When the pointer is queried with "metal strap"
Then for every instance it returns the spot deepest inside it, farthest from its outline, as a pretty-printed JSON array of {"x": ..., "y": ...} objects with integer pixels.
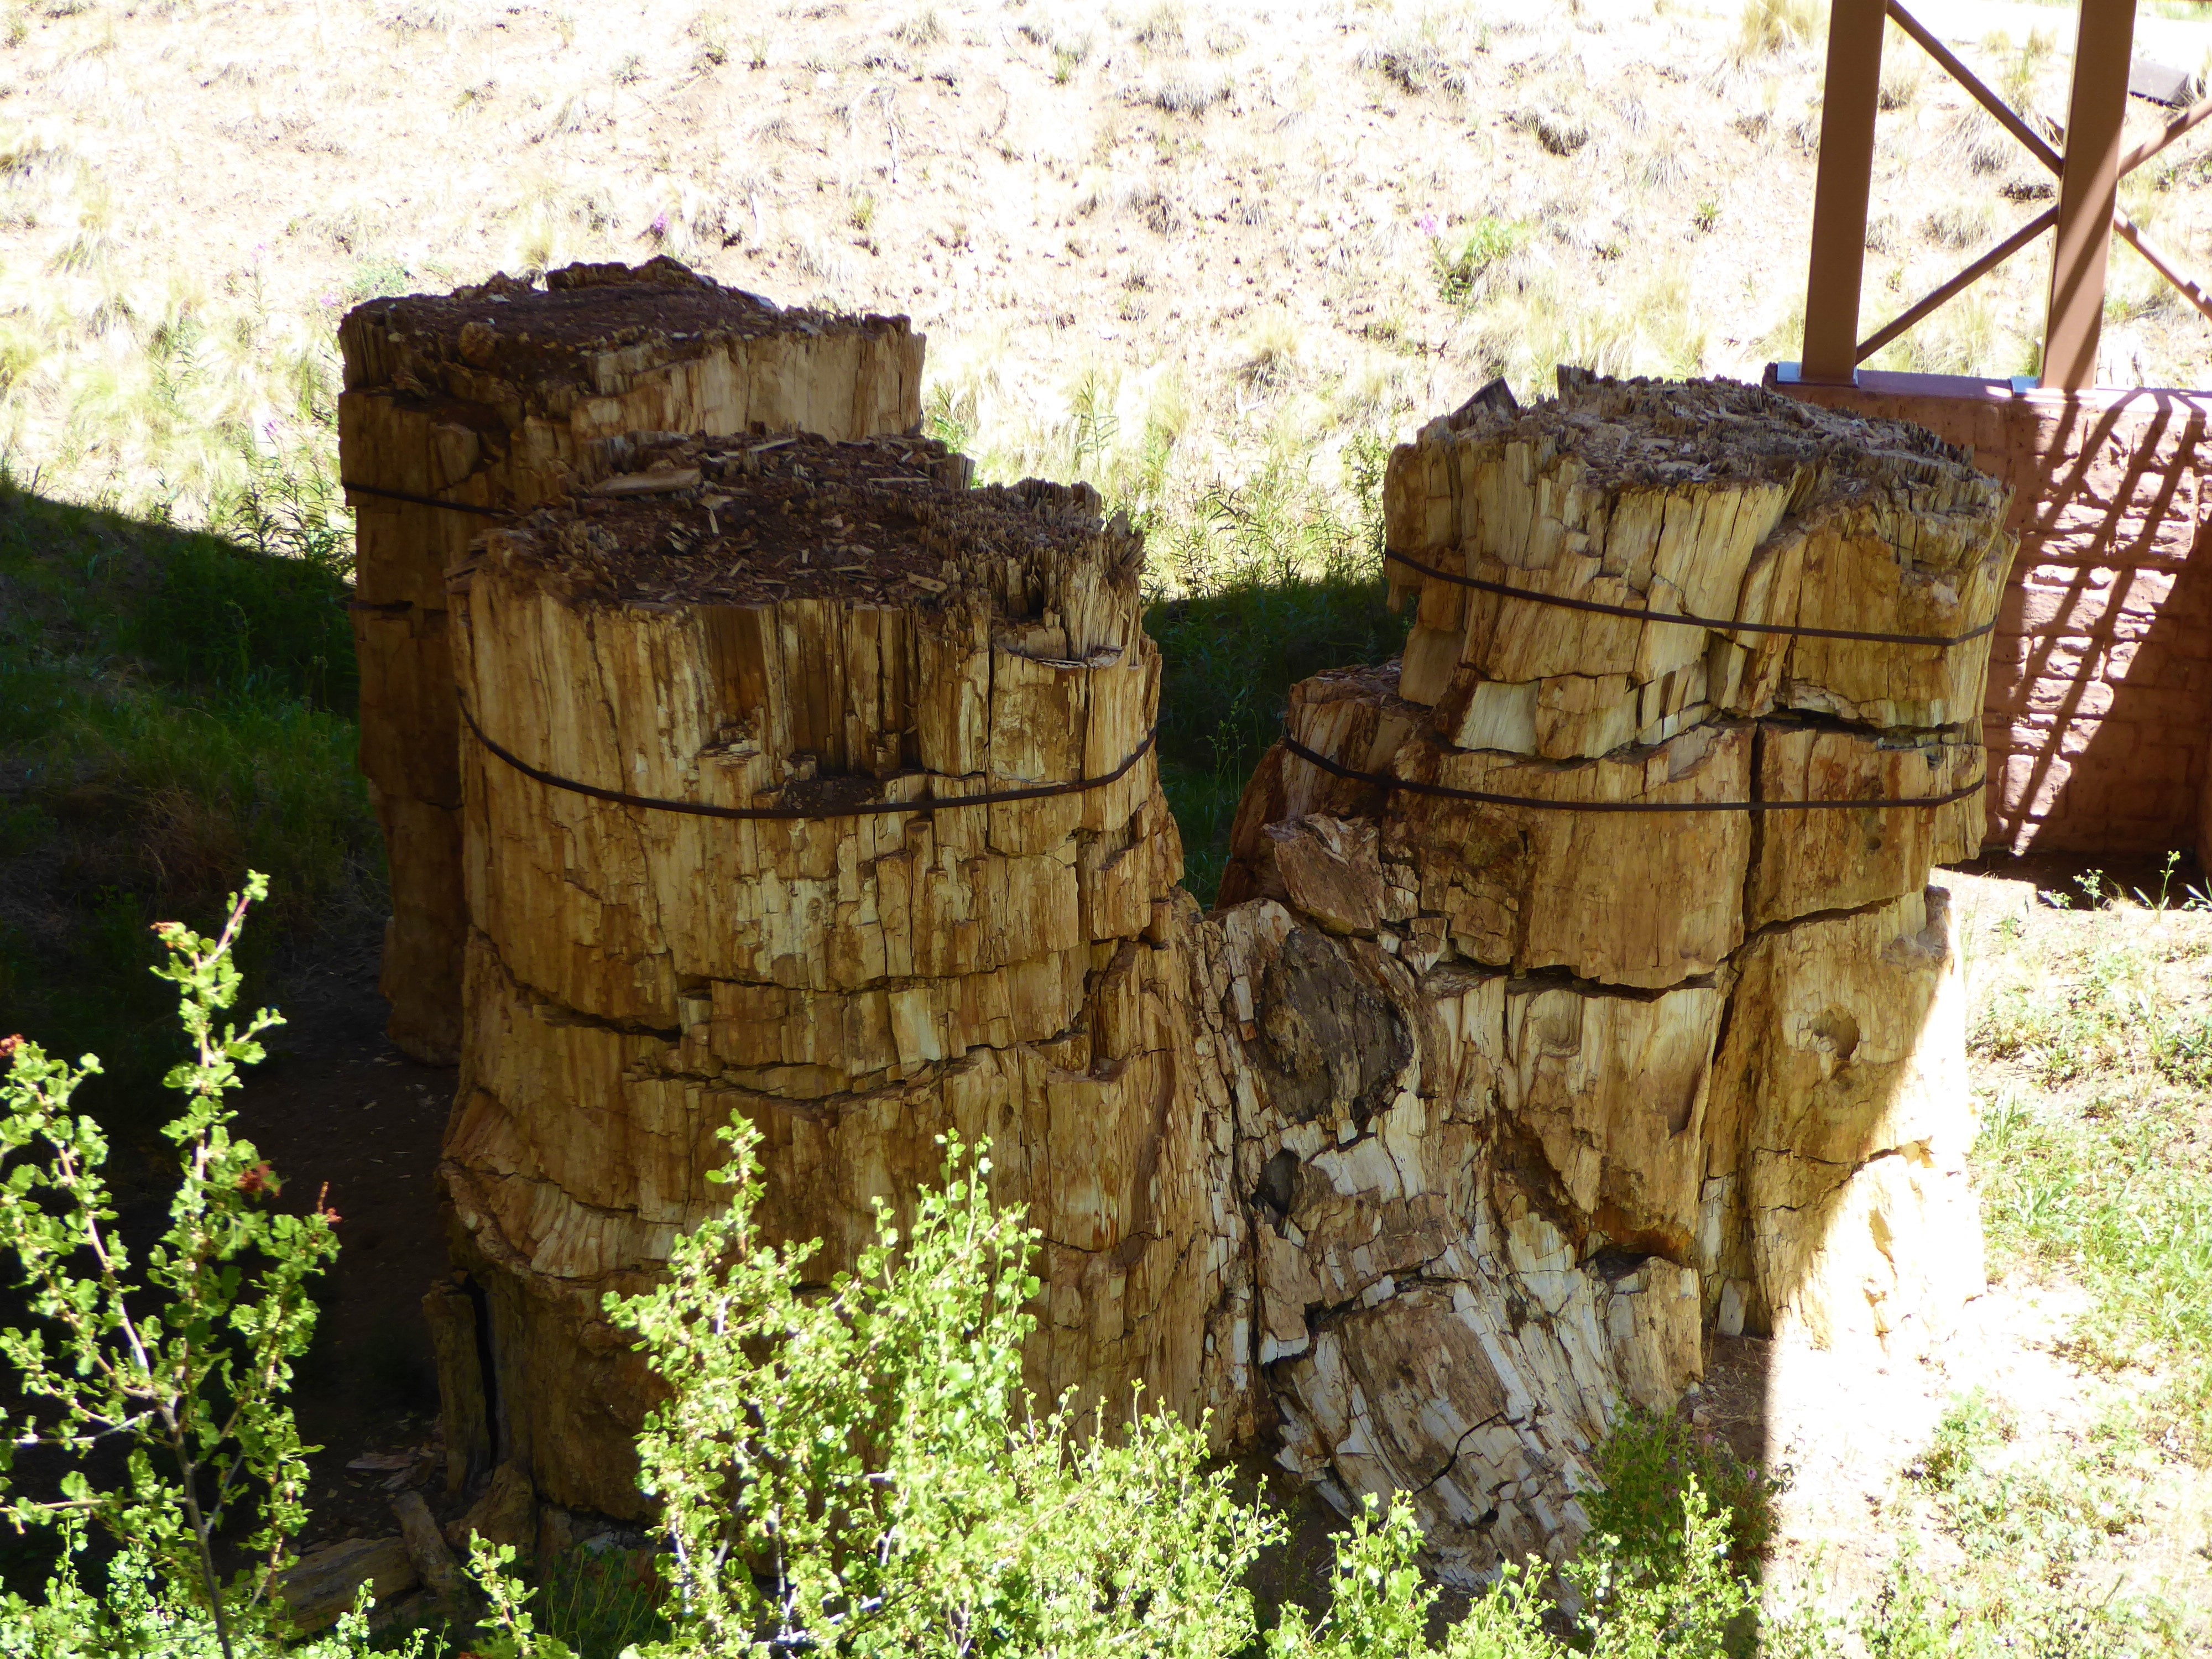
[
  {"x": 1485, "y": 798},
  {"x": 866, "y": 809},
  {"x": 424, "y": 500},
  {"x": 1683, "y": 618}
]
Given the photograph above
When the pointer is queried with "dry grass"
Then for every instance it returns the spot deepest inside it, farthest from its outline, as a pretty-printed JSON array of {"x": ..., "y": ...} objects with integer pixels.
[{"x": 1063, "y": 196}]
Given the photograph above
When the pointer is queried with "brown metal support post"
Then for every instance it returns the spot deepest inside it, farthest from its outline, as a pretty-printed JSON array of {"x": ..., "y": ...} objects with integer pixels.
[
  {"x": 1839, "y": 199},
  {"x": 2087, "y": 192}
]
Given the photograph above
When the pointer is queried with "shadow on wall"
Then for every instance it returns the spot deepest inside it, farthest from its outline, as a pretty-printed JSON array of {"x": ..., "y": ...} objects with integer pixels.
[{"x": 2100, "y": 691}]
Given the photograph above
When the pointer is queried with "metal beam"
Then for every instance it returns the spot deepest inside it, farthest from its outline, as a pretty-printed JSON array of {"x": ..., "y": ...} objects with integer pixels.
[
  {"x": 2088, "y": 192},
  {"x": 2132, "y": 235},
  {"x": 2180, "y": 126},
  {"x": 1839, "y": 198},
  {"x": 2005, "y": 116},
  {"x": 1935, "y": 297}
]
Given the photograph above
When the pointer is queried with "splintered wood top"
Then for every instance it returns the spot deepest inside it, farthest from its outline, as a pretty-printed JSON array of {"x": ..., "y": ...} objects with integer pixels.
[
  {"x": 887, "y": 521},
  {"x": 1667, "y": 434},
  {"x": 524, "y": 332}
]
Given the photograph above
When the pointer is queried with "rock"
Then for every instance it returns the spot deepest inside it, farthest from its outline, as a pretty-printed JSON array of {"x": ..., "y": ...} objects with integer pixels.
[
  {"x": 499, "y": 397},
  {"x": 434, "y": 1563},
  {"x": 819, "y": 627},
  {"x": 1837, "y": 1174},
  {"x": 557, "y": 1534},
  {"x": 505, "y": 1513},
  {"x": 1708, "y": 500},
  {"x": 1559, "y": 1089},
  {"x": 322, "y": 1583},
  {"x": 464, "y": 1417},
  {"x": 1519, "y": 1057}
]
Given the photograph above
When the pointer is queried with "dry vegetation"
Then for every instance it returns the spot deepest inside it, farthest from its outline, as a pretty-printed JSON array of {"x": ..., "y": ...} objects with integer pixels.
[{"x": 1168, "y": 244}]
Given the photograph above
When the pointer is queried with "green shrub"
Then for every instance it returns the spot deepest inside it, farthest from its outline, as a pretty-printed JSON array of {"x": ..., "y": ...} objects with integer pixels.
[
  {"x": 860, "y": 1467},
  {"x": 1646, "y": 1468},
  {"x": 186, "y": 1360},
  {"x": 1459, "y": 269}
]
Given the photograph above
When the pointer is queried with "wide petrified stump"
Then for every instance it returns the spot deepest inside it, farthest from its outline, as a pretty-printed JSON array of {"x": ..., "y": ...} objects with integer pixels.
[
  {"x": 460, "y": 409},
  {"x": 1595, "y": 995},
  {"x": 1578, "y": 993},
  {"x": 724, "y": 715}
]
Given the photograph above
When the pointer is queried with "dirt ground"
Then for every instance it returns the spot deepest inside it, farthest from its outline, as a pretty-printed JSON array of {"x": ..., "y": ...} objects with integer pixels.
[{"x": 336, "y": 1106}]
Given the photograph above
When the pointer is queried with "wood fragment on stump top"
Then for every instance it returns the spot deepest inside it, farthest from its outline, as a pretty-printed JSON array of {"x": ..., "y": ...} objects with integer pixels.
[
  {"x": 493, "y": 398},
  {"x": 817, "y": 628}
]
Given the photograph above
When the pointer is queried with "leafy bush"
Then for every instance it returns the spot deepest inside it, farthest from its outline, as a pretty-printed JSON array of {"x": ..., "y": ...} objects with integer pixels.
[
  {"x": 861, "y": 1467},
  {"x": 187, "y": 1361},
  {"x": 1647, "y": 1468},
  {"x": 857, "y": 1467}
]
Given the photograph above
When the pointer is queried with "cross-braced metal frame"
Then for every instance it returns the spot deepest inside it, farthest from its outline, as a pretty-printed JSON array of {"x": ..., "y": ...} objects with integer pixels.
[{"x": 2087, "y": 213}]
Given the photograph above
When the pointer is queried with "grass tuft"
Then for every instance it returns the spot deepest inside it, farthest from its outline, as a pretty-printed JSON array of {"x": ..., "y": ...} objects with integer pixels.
[{"x": 1768, "y": 27}]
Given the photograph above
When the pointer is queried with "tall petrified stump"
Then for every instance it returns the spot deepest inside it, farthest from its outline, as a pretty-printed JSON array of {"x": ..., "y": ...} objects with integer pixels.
[
  {"x": 1565, "y": 1058},
  {"x": 716, "y": 861},
  {"x": 458, "y": 409}
]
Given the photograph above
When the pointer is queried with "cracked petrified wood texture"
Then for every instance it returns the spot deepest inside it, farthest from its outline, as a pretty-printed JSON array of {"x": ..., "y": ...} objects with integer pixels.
[
  {"x": 493, "y": 398},
  {"x": 821, "y": 627},
  {"x": 1463, "y": 1123},
  {"x": 1540, "y": 1094}
]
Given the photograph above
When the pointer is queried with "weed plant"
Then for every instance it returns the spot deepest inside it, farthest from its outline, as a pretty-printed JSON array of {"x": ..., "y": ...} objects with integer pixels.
[
  {"x": 597, "y": 1601},
  {"x": 1647, "y": 1465},
  {"x": 2103, "y": 1172},
  {"x": 1461, "y": 266},
  {"x": 2037, "y": 1535},
  {"x": 186, "y": 1359}
]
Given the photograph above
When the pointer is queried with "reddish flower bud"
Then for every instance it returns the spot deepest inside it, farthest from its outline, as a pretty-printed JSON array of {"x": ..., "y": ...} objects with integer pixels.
[{"x": 260, "y": 1179}]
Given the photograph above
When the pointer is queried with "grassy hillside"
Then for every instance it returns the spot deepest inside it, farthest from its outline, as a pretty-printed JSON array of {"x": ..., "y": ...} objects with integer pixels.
[
  {"x": 175, "y": 708},
  {"x": 1169, "y": 246},
  {"x": 1214, "y": 257}
]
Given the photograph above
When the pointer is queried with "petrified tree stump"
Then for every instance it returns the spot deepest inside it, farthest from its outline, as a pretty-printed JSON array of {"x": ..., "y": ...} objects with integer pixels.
[
  {"x": 1550, "y": 1089},
  {"x": 1578, "y": 992},
  {"x": 846, "y": 640},
  {"x": 486, "y": 401}
]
